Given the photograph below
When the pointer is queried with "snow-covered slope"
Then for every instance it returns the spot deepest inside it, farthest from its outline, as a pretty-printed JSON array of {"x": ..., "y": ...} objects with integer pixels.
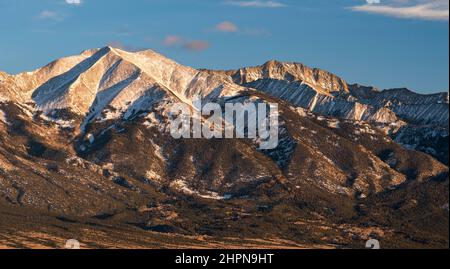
[
  {"x": 336, "y": 104},
  {"x": 325, "y": 93},
  {"x": 96, "y": 79},
  {"x": 21, "y": 86},
  {"x": 310, "y": 88},
  {"x": 413, "y": 107},
  {"x": 99, "y": 78}
]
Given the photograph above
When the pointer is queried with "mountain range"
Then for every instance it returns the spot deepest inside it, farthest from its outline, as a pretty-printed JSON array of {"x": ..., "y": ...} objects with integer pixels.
[{"x": 86, "y": 153}]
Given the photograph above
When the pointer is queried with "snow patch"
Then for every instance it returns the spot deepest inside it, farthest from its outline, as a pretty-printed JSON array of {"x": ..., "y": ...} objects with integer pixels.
[
  {"x": 152, "y": 175},
  {"x": 151, "y": 120},
  {"x": 91, "y": 138},
  {"x": 182, "y": 186},
  {"x": 3, "y": 117},
  {"x": 302, "y": 112},
  {"x": 109, "y": 114},
  {"x": 61, "y": 123},
  {"x": 158, "y": 151},
  {"x": 334, "y": 124}
]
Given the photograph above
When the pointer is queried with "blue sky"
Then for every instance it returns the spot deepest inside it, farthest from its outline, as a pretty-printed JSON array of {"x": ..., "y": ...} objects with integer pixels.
[{"x": 385, "y": 43}]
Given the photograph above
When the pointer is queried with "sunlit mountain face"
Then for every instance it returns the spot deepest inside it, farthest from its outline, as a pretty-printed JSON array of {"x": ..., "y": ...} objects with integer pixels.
[{"x": 86, "y": 152}]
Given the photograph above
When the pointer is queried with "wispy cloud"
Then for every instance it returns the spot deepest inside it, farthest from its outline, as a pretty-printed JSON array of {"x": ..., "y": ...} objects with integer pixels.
[
  {"x": 176, "y": 41},
  {"x": 50, "y": 15},
  {"x": 173, "y": 41},
  {"x": 231, "y": 27},
  {"x": 226, "y": 27},
  {"x": 74, "y": 2},
  {"x": 196, "y": 45},
  {"x": 407, "y": 9},
  {"x": 256, "y": 4},
  {"x": 57, "y": 15}
]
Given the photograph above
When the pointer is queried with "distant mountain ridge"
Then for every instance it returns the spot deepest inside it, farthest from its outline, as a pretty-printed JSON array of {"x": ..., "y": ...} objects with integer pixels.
[
  {"x": 319, "y": 91},
  {"x": 416, "y": 108},
  {"x": 399, "y": 112},
  {"x": 310, "y": 88}
]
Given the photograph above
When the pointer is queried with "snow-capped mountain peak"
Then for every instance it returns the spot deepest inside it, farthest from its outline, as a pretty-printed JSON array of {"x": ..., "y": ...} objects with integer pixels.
[{"x": 110, "y": 77}]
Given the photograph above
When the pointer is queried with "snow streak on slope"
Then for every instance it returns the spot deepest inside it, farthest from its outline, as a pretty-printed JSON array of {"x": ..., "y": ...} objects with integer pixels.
[
  {"x": 3, "y": 118},
  {"x": 302, "y": 95}
]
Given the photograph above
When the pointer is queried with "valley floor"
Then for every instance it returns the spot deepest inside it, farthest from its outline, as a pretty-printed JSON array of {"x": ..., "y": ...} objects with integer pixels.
[
  {"x": 22, "y": 228},
  {"x": 29, "y": 231}
]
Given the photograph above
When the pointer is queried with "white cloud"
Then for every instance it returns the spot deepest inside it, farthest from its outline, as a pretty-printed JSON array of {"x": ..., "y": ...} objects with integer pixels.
[
  {"x": 256, "y": 4},
  {"x": 74, "y": 2},
  {"x": 407, "y": 9}
]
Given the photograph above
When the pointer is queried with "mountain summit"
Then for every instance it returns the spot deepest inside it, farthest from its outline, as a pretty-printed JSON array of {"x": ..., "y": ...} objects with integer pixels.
[{"x": 108, "y": 76}]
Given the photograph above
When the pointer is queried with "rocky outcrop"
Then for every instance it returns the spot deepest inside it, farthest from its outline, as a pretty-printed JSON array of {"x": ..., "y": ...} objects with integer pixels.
[{"x": 321, "y": 80}]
